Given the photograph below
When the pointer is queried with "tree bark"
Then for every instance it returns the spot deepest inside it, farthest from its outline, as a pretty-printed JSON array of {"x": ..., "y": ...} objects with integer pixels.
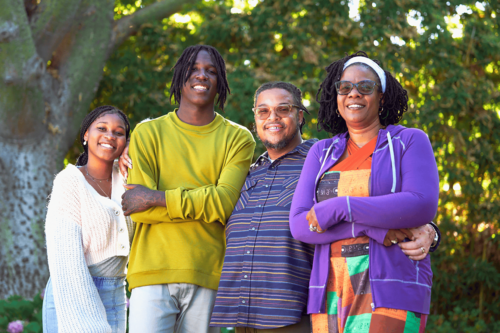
[{"x": 41, "y": 108}]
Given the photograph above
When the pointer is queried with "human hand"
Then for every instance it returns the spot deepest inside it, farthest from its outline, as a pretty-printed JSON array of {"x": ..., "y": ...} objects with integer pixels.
[
  {"x": 125, "y": 162},
  {"x": 419, "y": 248},
  {"x": 395, "y": 236},
  {"x": 136, "y": 199},
  {"x": 313, "y": 222}
]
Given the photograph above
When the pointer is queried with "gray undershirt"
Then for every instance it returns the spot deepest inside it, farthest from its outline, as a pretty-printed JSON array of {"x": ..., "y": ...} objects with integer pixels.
[{"x": 112, "y": 267}]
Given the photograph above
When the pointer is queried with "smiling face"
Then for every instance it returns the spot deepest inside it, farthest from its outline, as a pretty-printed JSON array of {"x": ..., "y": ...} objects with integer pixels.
[
  {"x": 201, "y": 87},
  {"x": 106, "y": 137},
  {"x": 278, "y": 133},
  {"x": 359, "y": 111}
]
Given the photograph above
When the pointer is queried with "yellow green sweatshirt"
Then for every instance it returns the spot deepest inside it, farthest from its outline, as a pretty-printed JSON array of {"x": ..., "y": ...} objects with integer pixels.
[{"x": 201, "y": 169}]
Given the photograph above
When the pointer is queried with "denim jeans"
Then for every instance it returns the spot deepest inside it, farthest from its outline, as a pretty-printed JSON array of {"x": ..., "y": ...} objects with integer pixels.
[
  {"x": 173, "y": 307},
  {"x": 112, "y": 293}
]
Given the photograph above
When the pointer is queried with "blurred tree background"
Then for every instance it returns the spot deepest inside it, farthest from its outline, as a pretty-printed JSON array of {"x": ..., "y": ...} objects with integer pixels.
[{"x": 445, "y": 53}]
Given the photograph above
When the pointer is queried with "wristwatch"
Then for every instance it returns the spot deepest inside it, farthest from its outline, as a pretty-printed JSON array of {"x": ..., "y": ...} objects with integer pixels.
[{"x": 436, "y": 238}]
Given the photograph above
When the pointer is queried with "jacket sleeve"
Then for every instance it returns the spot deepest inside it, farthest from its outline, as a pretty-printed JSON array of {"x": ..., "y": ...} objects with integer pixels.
[
  {"x": 303, "y": 201},
  {"x": 414, "y": 206},
  {"x": 209, "y": 203},
  {"x": 78, "y": 305}
]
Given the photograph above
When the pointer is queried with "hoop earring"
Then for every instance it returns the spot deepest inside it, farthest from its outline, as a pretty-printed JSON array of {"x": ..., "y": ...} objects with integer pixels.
[
  {"x": 387, "y": 115},
  {"x": 380, "y": 111},
  {"x": 338, "y": 114}
]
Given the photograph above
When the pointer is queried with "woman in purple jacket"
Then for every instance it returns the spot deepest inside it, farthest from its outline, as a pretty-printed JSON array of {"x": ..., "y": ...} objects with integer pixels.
[{"x": 372, "y": 176}]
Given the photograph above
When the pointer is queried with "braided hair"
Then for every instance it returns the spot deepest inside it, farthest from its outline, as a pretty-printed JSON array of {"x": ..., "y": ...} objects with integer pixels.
[
  {"x": 395, "y": 99},
  {"x": 185, "y": 63},
  {"x": 89, "y": 119},
  {"x": 292, "y": 89}
]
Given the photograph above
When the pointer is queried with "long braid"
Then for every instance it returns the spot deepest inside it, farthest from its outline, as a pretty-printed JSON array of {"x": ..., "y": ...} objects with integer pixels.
[
  {"x": 89, "y": 119},
  {"x": 395, "y": 102},
  {"x": 183, "y": 67}
]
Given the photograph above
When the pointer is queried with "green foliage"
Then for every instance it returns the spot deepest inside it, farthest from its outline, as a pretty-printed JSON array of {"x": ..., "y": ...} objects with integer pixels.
[
  {"x": 16, "y": 308},
  {"x": 452, "y": 75}
]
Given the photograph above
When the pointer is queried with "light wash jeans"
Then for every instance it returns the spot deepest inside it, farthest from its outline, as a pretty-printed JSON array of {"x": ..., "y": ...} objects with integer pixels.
[
  {"x": 173, "y": 307},
  {"x": 112, "y": 293}
]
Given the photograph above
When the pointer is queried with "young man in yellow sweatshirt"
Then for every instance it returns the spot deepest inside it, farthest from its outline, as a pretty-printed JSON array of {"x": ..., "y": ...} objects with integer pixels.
[{"x": 188, "y": 168}]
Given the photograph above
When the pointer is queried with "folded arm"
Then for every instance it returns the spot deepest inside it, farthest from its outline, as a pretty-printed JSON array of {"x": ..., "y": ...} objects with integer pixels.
[
  {"x": 303, "y": 201},
  {"x": 414, "y": 206},
  {"x": 209, "y": 203}
]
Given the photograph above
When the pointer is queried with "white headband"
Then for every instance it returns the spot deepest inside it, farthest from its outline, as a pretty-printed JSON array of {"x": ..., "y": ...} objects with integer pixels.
[{"x": 380, "y": 72}]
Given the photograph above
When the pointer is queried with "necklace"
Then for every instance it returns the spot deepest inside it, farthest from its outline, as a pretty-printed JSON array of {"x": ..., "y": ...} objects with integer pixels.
[
  {"x": 95, "y": 179},
  {"x": 100, "y": 180}
]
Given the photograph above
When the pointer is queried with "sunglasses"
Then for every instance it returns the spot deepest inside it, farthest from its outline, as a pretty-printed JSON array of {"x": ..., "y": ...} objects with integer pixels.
[
  {"x": 281, "y": 110},
  {"x": 365, "y": 87}
]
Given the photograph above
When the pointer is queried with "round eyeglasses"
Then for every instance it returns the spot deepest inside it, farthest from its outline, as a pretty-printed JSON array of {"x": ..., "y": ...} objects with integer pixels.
[{"x": 264, "y": 112}]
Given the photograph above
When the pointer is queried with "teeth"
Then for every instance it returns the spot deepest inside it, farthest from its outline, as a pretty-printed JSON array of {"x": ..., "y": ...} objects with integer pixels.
[
  {"x": 200, "y": 88},
  {"x": 355, "y": 106},
  {"x": 273, "y": 128},
  {"x": 105, "y": 145}
]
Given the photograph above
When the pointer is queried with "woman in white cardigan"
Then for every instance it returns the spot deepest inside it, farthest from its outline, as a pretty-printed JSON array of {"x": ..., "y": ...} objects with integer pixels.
[{"x": 88, "y": 237}]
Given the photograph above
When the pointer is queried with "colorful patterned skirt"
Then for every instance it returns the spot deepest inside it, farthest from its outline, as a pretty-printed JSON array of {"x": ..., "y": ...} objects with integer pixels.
[{"x": 349, "y": 298}]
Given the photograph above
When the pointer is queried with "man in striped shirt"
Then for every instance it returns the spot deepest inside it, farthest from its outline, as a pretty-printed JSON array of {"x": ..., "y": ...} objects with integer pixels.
[{"x": 265, "y": 277}]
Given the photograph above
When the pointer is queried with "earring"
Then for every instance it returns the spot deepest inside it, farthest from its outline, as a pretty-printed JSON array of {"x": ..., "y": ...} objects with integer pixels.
[
  {"x": 85, "y": 142},
  {"x": 380, "y": 111},
  {"x": 338, "y": 114}
]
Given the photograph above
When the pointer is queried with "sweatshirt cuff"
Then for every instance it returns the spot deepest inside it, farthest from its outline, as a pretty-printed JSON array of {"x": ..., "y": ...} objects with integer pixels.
[
  {"x": 173, "y": 202},
  {"x": 332, "y": 211},
  {"x": 377, "y": 234}
]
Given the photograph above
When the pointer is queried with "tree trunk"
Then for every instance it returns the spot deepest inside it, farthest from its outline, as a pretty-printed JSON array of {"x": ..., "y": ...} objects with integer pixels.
[
  {"x": 40, "y": 112},
  {"x": 26, "y": 172}
]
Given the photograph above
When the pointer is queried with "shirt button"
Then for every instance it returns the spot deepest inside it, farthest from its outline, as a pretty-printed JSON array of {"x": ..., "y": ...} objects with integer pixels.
[
  {"x": 372, "y": 305},
  {"x": 243, "y": 302},
  {"x": 121, "y": 230},
  {"x": 246, "y": 276},
  {"x": 267, "y": 185},
  {"x": 123, "y": 246},
  {"x": 253, "y": 228},
  {"x": 260, "y": 205},
  {"x": 248, "y": 252},
  {"x": 117, "y": 212}
]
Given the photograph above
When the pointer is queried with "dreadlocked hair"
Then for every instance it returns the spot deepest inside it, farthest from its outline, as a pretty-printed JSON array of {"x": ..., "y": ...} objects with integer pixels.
[
  {"x": 393, "y": 106},
  {"x": 183, "y": 67},
  {"x": 292, "y": 89},
  {"x": 89, "y": 119}
]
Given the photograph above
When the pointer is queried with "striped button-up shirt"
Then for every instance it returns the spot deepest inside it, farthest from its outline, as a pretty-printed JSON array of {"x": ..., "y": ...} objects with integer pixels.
[{"x": 265, "y": 277}]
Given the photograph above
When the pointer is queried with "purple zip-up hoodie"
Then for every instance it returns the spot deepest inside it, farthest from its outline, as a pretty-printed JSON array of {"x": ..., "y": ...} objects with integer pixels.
[{"x": 404, "y": 192}]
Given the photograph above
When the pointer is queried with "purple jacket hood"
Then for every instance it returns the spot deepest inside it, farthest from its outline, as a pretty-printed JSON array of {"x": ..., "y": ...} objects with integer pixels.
[{"x": 404, "y": 194}]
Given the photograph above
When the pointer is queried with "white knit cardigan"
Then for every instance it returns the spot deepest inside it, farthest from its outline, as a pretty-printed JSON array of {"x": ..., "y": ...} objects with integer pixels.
[{"x": 83, "y": 228}]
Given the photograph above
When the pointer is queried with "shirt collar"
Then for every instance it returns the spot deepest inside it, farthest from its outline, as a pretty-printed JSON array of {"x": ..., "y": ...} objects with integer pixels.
[{"x": 301, "y": 149}]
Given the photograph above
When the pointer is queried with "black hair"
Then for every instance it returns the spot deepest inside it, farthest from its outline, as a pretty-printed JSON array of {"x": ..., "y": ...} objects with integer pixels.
[
  {"x": 292, "y": 89},
  {"x": 183, "y": 67},
  {"x": 395, "y": 99},
  {"x": 89, "y": 119}
]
